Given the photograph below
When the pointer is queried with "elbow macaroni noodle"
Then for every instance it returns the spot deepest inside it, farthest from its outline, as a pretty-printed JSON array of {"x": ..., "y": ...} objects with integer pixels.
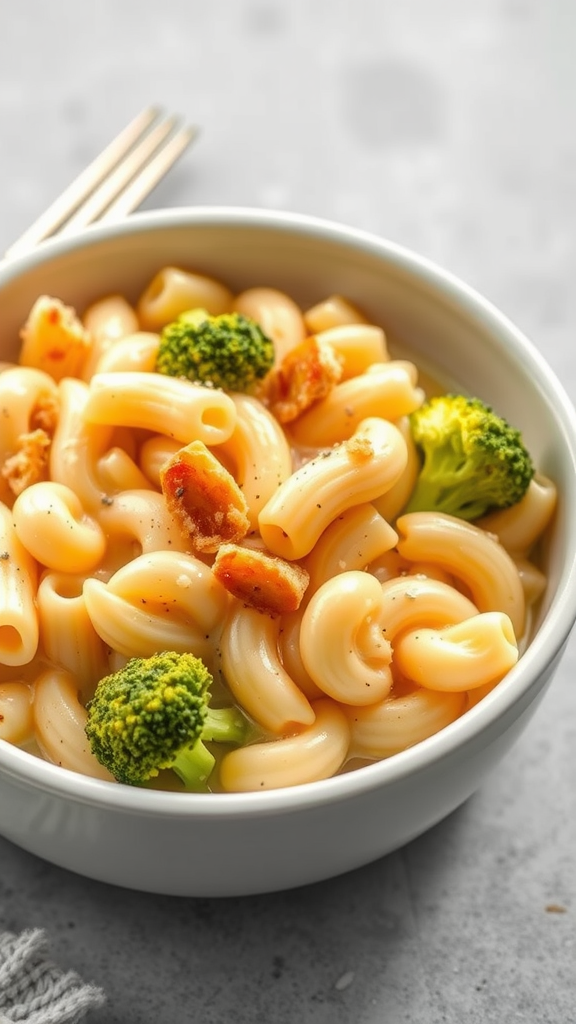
[
  {"x": 278, "y": 315},
  {"x": 67, "y": 634},
  {"x": 19, "y": 628},
  {"x": 352, "y": 541},
  {"x": 343, "y": 640},
  {"x": 152, "y": 401},
  {"x": 51, "y": 523},
  {"x": 386, "y": 390},
  {"x": 406, "y": 620},
  {"x": 348, "y": 474},
  {"x": 256, "y": 675},
  {"x": 107, "y": 322},
  {"x": 474, "y": 557},
  {"x": 258, "y": 453}
]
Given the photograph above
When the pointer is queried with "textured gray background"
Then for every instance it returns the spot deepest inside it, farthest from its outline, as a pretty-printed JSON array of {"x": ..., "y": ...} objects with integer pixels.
[{"x": 448, "y": 126}]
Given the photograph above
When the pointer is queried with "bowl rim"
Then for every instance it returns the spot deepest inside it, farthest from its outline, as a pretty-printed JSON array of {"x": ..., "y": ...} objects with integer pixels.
[{"x": 26, "y": 769}]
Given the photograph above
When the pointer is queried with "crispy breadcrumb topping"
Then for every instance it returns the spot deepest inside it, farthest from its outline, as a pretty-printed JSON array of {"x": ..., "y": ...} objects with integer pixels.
[
  {"x": 359, "y": 448},
  {"x": 44, "y": 415},
  {"x": 29, "y": 463}
]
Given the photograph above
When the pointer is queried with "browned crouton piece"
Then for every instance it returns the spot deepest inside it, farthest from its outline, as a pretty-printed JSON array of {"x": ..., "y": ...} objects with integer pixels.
[
  {"x": 306, "y": 374},
  {"x": 259, "y": 579},
  {"x": 204, "y": 498}
]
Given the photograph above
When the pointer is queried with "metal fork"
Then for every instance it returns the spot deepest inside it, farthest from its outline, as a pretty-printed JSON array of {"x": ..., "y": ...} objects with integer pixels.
[{"x": 117, "y": 181}]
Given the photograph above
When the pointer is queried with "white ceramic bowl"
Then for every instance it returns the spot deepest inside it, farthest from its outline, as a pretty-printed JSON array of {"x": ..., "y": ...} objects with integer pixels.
[{"x": 218, "y": 845}]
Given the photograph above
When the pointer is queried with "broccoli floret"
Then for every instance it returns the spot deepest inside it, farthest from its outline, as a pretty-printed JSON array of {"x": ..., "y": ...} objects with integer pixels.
[
  {"x": 472, "y": 460},
  {"x": 154, "y": 714},
  {"x": 229, "y": 351}
]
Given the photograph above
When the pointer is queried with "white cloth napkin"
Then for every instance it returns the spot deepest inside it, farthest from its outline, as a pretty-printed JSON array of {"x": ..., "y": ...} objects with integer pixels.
[{"x": 34, "y": 990}]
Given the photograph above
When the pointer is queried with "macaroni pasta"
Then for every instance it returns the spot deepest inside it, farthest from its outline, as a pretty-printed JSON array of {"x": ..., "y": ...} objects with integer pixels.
[{"x": 263, "y": 532}]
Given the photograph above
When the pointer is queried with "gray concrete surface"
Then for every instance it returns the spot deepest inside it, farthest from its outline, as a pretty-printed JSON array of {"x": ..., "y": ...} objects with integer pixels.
[{"x": 447, "y": 126}]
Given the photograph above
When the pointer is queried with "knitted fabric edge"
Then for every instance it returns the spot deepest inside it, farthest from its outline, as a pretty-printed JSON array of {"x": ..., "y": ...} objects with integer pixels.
[{"x": 34, "y": 990}]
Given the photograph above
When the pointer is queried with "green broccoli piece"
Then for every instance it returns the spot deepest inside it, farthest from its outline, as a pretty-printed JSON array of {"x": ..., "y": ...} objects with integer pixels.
[
  {"x": 154, "y": 714},
  {"x": 229, "y": 351},
  {"x": 472, "y": 460}
]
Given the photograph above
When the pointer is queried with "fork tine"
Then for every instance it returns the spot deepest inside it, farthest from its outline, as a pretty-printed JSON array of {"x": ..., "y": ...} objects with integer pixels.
[
  {"x": 114, "y": 183},
  {"x": 149, "y": 176},
  {"x": 132, "y": 163},
  {"x": 65, "y": 204}
]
